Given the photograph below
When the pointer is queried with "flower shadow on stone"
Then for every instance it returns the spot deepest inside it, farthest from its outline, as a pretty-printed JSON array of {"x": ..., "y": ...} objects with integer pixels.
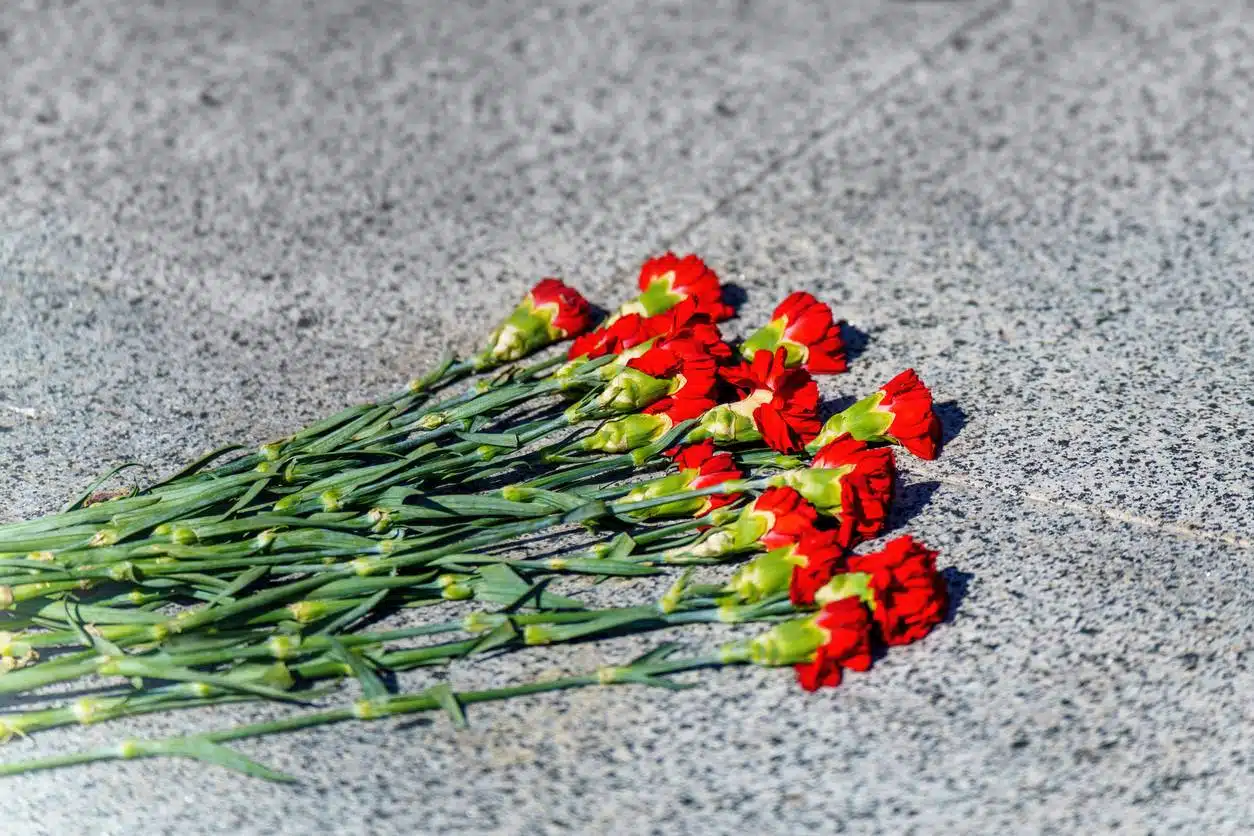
[
  {"x": 959, "y": 583},
  {"x": 908, "y": 502},
  {"x": 952, "y": 418},
  {"x": 856, "y": 341}
]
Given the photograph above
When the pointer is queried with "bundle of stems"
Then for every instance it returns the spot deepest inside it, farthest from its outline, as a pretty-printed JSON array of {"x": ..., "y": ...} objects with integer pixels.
[{"x": 259, "y": 575}]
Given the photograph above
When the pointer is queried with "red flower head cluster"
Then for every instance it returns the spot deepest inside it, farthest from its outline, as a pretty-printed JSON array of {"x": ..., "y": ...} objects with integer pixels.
[
  {"x": 866, "y": 481},
  {"x": 777, "y": 404},
  {"x": 910, "y": 596},
  {"x": 847, "y": 644},
  {"x": 570, "y": 313},
  {"x": 805, "y": 328},
  {"x": 702, "y": 467},
  {"x": 676, "y": 293},
  {"x": 621, "y": 334}
]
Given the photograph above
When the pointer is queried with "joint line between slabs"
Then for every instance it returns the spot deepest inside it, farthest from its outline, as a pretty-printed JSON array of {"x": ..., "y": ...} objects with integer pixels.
[
  {"x": 984, "y": 17},
  {"x": 1185, "y": 531}
]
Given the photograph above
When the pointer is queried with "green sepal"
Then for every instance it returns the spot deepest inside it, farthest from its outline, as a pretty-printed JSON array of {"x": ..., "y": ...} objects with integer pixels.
[
  {"x": 819, "y": 485},
  {"x": 787, "y": 643},
  {"x": 865, "y": 421},
  {"x": 765, "y": 575},
  {"x": 631, "y": 390},
  {"x": 766, "y": 338},
  {"x": 847, "y": 585}
]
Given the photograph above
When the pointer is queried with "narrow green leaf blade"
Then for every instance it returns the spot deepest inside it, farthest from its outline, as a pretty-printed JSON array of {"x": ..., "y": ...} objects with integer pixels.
[
  {"x": 207, "y": 751},
  {"x": 371, "y": 685},
  {"x": 448, "y": 701}
]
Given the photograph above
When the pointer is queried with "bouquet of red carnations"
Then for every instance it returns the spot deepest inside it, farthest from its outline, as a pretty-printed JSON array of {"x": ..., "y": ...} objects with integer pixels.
[{"x": 652, "y": 445}]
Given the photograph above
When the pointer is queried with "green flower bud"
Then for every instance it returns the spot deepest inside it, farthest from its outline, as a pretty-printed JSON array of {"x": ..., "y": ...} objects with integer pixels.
[
  {"x": 787, "y": 643},
  {"x": 821, "y": 486},
  {"x": 457, "y": 592},
  {"x": 864, "y": 421},
  {"x": 733, "y": 422},
  {"x": 665, "y": 486},
  {"x": 846, "y": 585},
  {"x": 627, "y": 433},
  {"x": 632, "y": 390},
  {"x": 765, "y": 575}
]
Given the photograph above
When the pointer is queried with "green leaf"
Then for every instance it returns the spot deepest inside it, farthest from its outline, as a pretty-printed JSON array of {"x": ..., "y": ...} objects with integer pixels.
[
  {"x": 201, "y": 749},
  {"x": 371, "y": 685},
  {"x": 509, "y": 441},
  {"x": 658, "y": 654},
  {"x": 558, "y": 500},
  {"x": 347, "y": 619},
  {"x": 599, "y": 566},
  {"x": 130, "y": 666},
  {"x": 86, "y": 495},
  {"x": 249, "y": 495},
  {"x": 245, "y": 580},
  {"x": 196, "y": 465},
  {"x": 620, "y": 547},
  {"x": 98, "y": 643},
  {"x": 657, "y": 682},
  {"x": 500, "y": 635},
  {"x": 503, "y": 577},
  {"x": 587, "y": 511},
  {"x": 447, "y": 700},
  {"x": 433, "y": 376}
]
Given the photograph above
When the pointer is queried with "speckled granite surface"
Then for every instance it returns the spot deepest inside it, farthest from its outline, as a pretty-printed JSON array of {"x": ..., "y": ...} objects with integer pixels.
[{"x": 216, "y": 224}]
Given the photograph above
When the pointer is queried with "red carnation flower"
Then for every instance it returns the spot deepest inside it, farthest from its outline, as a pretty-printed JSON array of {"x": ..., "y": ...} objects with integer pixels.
[
  {"x": 693, "y": 370},
  {"x": 705, "y": 467},
  {"x": 867, "y": 477},
  {"x": 910, "y": 595},
  {"x": 687, "y": 318},
  {"x": 822, "y": 555},
  {"x": 699, "y": 466},
  {"x": 673, "y": 279},
  {"x": 787, "y": 514},
  {"x": 623, "y": 333},
  {"x": 783, "y": 402},
  {"x": 847, "y": 644},
  {"x": 805, "y": 327},
  {"x": 549, "y": 312},
  {"x": 901, "y": 413},
  {"x": 570, "y": 312},
  {"x": 915, "y": 425}
]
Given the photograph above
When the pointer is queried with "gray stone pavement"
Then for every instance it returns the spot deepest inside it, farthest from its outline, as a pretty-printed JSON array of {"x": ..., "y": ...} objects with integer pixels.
[{"x": 218, "y": 223}]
